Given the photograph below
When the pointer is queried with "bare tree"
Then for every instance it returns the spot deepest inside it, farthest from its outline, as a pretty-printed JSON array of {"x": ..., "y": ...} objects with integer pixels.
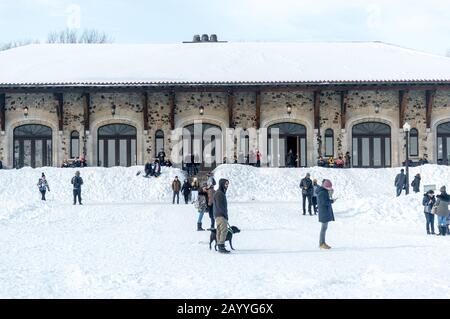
[
  {"x": 72, "y": 36},
  {"x": 15, "y": 44}
]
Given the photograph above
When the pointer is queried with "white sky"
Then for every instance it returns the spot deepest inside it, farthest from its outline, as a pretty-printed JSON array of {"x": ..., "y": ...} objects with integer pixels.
[{"x": 422, "y": 25}]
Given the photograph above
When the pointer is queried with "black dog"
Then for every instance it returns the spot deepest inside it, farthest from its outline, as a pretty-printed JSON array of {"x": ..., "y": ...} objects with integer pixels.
[{"x": 232, "y": 230}]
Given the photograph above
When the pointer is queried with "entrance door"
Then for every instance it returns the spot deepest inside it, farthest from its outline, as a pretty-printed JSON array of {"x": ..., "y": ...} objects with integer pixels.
[
  {"x": 443, "y": 141},
  {"x": 291, "y": 136},
  {"x": 32, "y": 146},
  {"x": 371, "y": 145},
  {"x": 202, "y": 145},
  {"x": 117, "y": 145}
]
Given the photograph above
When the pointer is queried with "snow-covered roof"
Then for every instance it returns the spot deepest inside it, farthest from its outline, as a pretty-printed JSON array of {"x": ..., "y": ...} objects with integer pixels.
[{"x": 218, "y": 63}]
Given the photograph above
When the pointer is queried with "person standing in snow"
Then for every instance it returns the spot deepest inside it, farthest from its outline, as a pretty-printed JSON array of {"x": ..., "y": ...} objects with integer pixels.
[
  {"x": 306, "y": 185},
  {"x": 43, "y": 186},
  {"x": 186, "y": 190},
  {"x": 258, "y": 158},
  {"x": 400, "y": 182},
  {"x": 176, "y": 187},
  {"x": 210, "y": 191},
  {"x": 211, "y": 180},
  {"x": 77, "y": 181},
  {"x": 348, "y": 162},
  {"x": 441, "y": 210},
  {"x": 195, "y": 190},
  {"x": 201, "y": 204},
  {"x": 325, "y": 210},
  {"x": 428, "y": 202},
  {"x": 221, "y": 213},
  {"x": 416, "y": 183},
  {"x": 314, "y": 196}
]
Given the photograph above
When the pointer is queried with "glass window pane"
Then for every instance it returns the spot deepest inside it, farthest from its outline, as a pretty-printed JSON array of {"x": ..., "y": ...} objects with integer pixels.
[
  {"x": 101, "y": 153},
  {"x": 355, "y": 152},
  {"x": 27, "y": 153},
  {"x": 303, "y": 152},
  {"x": 365, "y": 152},
  {"x": 16, "y": 154},
  {"x": 49, "y": 161},
  {"x": 159, "y": 145},
  {"x": 123, "y": 153},
  {"x": 111, "y": 153},
  {"x": 448, "y": 150},
  {"x": 413, "y": 146},
  {"x": 440, "y": 148},
  {"x": 387, "y": 146},
  {"x": 75, "y": 148},
  {"x": 329, "y": 146},
  {"x": 377, "y": 152},
  {"x": 133, "y": 153},
  {"x": 39, "y": 153}
]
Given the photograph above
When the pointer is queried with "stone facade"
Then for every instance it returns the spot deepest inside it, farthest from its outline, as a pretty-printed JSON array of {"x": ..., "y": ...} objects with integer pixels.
[{"x": 129, "y": 110}]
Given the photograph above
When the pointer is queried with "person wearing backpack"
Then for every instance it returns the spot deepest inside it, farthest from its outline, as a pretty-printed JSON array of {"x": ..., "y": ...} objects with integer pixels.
[
  {"x": 201, "y": 204},
  {"x": 43, "y": 186}
]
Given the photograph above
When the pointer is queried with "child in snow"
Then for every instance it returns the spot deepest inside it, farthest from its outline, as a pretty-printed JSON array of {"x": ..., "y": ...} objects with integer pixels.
[
  {"x": 43, "y": 186},
  {"x": 201, "y": 204},
  {"x": 428, "y": 202}
]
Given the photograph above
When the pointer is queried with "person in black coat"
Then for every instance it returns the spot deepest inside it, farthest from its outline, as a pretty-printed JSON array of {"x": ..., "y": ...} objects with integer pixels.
[
  {"x": 221, "y": 213},
  {"x": 290, "y": 159},
  {"x": 326, "y": 214},
  {"x": 306, "y": 185},
  {"x": 148, "y": 169},
  {"x": 416, "y": 183},
  {"x": 1, "y": 165},
  {"x": 186, "y": 190},
  {"x": 162, "y": 157},
  {"x": 77, "y": 181},
  {"x": 400, "y": 182}
]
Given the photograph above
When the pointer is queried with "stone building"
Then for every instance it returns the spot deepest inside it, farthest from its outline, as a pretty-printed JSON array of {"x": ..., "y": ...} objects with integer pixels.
[{"x": 120, "y": 104}]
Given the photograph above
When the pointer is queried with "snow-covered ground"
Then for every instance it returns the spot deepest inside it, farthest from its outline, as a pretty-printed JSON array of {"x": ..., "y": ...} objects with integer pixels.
[{"x": 129, "y": 242}]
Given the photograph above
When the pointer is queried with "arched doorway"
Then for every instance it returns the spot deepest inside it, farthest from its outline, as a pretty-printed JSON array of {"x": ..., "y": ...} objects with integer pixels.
[
  {"x": 371, "y": 145},
  {"x": 292, "y": 137},
  {"x": 443, "y": 143},
  {"x": 202, "y": 144},
  {"x": 32, "y": 146},
  {"x": 117, "y": 145}
]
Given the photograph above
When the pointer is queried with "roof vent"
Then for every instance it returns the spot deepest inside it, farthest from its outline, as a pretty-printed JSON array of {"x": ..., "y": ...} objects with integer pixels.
[
  {"x": 205, "y": 38},
  {"x": 213, "y": 38},
  {"x": 196, "y": 38}
]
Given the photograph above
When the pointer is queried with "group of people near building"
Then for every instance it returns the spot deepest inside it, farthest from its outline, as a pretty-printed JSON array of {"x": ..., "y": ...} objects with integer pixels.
[
  {"x": 75, "y": 163},
  {"x": 340, "y": 162}
]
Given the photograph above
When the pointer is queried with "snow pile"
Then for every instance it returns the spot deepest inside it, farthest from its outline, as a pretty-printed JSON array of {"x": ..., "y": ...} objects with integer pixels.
[
  {"x": 19, "y": 191},
  {"x": 368, "y": 194}
]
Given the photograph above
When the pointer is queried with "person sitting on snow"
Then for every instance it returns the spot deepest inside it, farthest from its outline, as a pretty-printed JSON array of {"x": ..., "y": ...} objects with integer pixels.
[{"x": 157, "y": 169}]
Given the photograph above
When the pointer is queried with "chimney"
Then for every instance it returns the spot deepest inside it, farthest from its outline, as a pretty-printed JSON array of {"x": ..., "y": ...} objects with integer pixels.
[
  {"x": 213, "y": 38},
  {"x": 196, "y": 38},
  {"x": 205, "y": 38}
]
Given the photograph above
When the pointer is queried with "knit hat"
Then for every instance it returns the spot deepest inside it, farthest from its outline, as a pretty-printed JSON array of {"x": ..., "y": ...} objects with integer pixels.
[{"x": 327, "y": 184}]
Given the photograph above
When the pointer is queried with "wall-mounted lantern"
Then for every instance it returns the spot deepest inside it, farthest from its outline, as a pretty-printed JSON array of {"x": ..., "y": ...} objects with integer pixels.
[
  {"x": 113, "y": 110},
  {"x": 25, "y": 111},
  {"x": 289, "y": 109},
  {"x": 202, "y": 110},
  {"x": 377, "y": 108}
]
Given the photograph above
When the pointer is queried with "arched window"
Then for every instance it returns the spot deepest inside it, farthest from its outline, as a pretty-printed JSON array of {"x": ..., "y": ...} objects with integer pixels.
[
  {"x": 443, "y": 147},
  {"x": 117, "y": 145},
  {"x": 74, "y": 144},
  {"x": 372, "y": 145},
  {"x": 414, "y": 142},
  {"x": 287, "y": 145},
  {"x": 159, "y": 142},
  {"x": 32, "y": 146},
  {"x": 329, "y": 143}
]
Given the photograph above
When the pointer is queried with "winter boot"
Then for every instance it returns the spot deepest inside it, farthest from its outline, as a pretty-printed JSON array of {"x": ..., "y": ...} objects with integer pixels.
[
  {"x": 223, "y": 250},
  {"x": 199, "y": 227}
]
